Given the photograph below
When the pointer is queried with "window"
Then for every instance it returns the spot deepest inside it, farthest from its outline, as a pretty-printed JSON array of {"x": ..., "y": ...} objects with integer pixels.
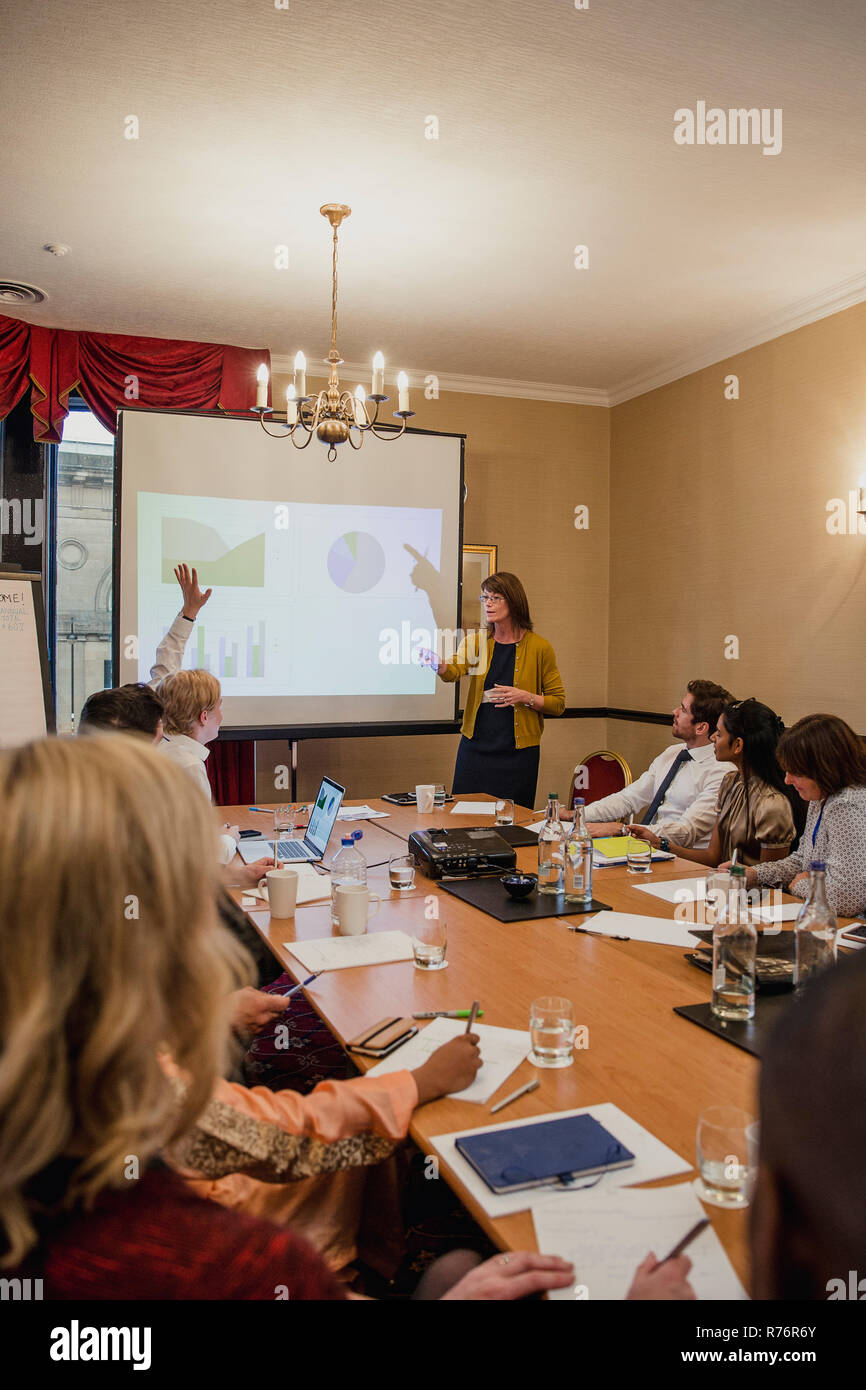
[{"x": 82, "y": 604}]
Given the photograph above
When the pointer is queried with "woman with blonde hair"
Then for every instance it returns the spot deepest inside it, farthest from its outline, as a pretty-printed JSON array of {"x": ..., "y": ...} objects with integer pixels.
[
  {"x": 116, "y": 976},
  {"x": 110, "y": 953}
]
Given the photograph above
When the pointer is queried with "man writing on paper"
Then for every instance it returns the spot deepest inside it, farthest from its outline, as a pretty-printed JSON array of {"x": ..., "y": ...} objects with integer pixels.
[{"x": 679, "y": 790}]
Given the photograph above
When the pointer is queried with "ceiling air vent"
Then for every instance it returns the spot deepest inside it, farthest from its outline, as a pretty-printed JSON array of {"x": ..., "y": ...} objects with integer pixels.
[{"x": 12, "y": 293}]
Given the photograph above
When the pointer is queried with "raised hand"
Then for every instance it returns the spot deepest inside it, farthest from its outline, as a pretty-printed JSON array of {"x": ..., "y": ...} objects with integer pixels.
[{"x": 193, "y": 598}]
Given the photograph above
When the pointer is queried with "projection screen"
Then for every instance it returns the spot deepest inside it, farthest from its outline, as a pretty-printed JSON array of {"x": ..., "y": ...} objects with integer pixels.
[{"x": 327, "y": 577}]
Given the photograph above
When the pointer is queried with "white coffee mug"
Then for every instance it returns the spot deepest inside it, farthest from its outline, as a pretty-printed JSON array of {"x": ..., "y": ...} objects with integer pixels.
[
  {"x": 354, "y": 902},
  {"x": 425, "y": 796},
  {"x": 282, "y": 889}
]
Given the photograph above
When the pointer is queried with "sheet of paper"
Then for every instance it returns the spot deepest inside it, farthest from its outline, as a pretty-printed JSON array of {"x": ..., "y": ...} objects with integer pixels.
[
  {"x": 778, "y": 912},
  {"x": 676, "y": 890},
  {"x": 663, "y": 931},
  {"x": 345, "y": 952},
  {"x": 474, "y": 808},
  {"x": 653, "y": 1159},
  {"x": 769, "y": 906},
  {"x": 536, "y": 825},
  {"x": 502, "y": 1051},
  {"x": 607, "y": 1233},
  {"x": 361, "y": 813}
]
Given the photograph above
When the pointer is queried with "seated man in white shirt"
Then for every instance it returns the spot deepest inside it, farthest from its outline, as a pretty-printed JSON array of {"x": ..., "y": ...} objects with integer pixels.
[{"x": 679, "y": 790}]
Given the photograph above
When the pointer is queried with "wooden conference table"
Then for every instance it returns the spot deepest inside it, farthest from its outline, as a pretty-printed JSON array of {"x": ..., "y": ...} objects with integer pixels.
[{"x": 659, "y": 1068}]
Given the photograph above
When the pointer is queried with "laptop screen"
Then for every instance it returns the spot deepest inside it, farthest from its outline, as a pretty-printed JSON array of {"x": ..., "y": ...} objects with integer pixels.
[{"x": 324, "y": 814}]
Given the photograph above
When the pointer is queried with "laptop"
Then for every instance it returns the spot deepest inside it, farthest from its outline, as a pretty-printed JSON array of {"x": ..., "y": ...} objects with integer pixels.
[{"x": 311, "y": 849}]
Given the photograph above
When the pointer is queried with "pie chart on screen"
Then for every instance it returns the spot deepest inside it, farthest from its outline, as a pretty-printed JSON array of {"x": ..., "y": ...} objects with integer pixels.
[{"x": 356, "y": 562}]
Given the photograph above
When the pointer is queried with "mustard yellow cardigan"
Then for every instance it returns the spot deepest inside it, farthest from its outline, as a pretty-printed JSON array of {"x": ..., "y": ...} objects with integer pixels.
[{"x": 534, "y": 671}]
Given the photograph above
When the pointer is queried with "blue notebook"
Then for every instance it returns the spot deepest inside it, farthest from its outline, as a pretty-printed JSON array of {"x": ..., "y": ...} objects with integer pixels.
[{"x": 576, "y": 1146}]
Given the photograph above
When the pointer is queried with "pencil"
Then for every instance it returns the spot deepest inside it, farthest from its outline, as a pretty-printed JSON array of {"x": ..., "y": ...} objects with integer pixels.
[{"x": 687, "y": 1239}]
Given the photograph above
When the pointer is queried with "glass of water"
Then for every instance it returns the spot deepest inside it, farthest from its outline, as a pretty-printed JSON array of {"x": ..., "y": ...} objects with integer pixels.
[
  {"x": 727, "y": 1156},
  {"x": 639, "y": 855},
  {"x": 429, "y": 941},
  {"x": 284, "y": 821},
  {"x": 504, "y": 813},
  {"x": 438, "y": 796},
  {"x": 401, "y": 872},
  {"x": 551, "y": 1027}
]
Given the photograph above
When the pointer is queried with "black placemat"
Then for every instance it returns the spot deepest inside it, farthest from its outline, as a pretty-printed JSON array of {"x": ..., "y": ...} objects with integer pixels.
[
  {"x": 517, "y": 835},
  {"x": 489, "y": 895},
  {"x": 751, "y": 1036}
]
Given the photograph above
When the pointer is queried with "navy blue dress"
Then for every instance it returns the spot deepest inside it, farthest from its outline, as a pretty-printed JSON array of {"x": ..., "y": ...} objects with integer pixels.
[{"x": 488, "y": 761}]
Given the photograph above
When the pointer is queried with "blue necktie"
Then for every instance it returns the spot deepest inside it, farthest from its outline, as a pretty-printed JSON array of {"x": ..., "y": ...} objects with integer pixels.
[{"x": 684, "y": 756}]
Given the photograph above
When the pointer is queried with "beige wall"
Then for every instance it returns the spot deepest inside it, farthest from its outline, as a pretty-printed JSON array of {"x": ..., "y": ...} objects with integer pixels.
[
  {"x": 719, "y": 528},
  {"x": 528, "y": 464}
]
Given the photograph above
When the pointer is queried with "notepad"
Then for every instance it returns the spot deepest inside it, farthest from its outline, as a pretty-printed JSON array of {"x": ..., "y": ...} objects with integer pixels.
[
  {"x": 512, "y": 1160},
  {"x": 346, "y": 952},
  {"x": 611, "y": 849},
  {"x": 474, "y": 808},
  {"x": 502, "y": 1051},
  {"x": 606, "y": 1233}
]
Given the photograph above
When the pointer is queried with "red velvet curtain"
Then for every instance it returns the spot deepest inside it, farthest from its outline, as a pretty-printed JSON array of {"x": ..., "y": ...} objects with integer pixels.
[
  {"x": 112, "y": 370},
  {"x": 231, "y": 771}
]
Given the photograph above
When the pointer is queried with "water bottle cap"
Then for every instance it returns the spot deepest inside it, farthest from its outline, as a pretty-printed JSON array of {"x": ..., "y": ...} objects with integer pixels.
[
  {"x": 738, "y": 871},
  {"x": 553, "y": 796},
  {"x": 579, "y": 801},
  {"x": 818, "y": 866},
  {"x": 357, "y": 835},
  {"x": 348, "y": 840}
]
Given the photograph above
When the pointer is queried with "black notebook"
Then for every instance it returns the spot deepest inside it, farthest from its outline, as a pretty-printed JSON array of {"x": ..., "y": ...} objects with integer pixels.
[{"x": 576, "y": 1146}]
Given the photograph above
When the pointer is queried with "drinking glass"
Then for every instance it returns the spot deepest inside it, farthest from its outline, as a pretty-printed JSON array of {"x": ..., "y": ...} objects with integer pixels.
[
  {"x": 439, "y": 795},
  {"x": 429, "y": 941},
  {"x": 551, "y": 1027},
  {"x": 638, "y": 855},
  {"x": 284, "y": 821},
  {"x": 401, "y": 872},
  {"x": 727, "y": 1156},
  {"x": 504, "y": 813}
]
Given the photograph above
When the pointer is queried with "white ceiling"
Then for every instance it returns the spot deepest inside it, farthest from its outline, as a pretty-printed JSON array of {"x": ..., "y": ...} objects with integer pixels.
[{"x": 556, "y": 129}]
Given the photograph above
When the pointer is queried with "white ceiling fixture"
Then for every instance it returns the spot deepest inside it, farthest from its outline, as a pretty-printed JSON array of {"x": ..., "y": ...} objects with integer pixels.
[{"x": 333, "y": 414}]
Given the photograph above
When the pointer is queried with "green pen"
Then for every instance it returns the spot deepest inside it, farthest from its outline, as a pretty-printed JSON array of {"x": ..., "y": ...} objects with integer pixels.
[{"x": 450, "y": 1013}]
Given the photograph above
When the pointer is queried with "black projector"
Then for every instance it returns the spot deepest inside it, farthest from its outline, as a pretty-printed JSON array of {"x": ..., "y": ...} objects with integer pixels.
[{"x": 461, "y": 853}]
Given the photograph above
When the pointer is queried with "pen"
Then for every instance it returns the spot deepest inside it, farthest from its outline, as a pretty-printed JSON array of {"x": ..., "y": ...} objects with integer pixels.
[
  {"x": 687, "y": 1239},
  {"x": 473, "y": 1014},
  {"x": 449, "y": 1013},
  {"x": 287, "y": 994},
  {"x": 523, "y": 1091}
]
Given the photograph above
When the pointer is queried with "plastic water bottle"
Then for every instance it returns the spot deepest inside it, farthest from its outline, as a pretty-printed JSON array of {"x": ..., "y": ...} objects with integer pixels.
[
  {"x": 814, "y": 930},
  {"x": 735, "y": 945},
  {"x": 349, "y": 866},
  {"x": 578, "y": 860},
  {"x": 551, "y": 849}
]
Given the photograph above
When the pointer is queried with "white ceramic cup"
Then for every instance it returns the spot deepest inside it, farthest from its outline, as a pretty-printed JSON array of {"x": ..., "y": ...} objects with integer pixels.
[
  {"x": 282, "y": 886},
  {"x": 425, "y": 796},
  {"x": 354, "y": 902}
]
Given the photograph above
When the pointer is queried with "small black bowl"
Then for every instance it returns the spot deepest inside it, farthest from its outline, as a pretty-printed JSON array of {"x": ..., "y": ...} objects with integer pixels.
[{"x": 519, "y": 885}]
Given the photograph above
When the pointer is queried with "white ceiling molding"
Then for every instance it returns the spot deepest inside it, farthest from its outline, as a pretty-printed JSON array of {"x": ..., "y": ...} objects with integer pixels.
[
  {"x": 797, "y": 315},
  {"x": 350, "y": 372}
]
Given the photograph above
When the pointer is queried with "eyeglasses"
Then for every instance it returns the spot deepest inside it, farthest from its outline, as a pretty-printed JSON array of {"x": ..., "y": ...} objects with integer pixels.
[{"x": 490, "y": 598}]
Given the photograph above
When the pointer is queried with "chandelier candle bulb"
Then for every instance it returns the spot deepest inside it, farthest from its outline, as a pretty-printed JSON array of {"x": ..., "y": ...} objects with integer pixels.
[
  {"x": 402, "y": 391},
  {"x": 300, "y": 376},
  {"x": 291, "y": 406},
  {"x": 360, "y": 412},
  {"x": 378, "y": 375},
  {"x": 262, "y": 387}
]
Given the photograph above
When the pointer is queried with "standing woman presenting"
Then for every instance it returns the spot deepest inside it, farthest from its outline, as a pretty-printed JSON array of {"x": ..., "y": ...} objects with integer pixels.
[{"x": 514, "y": 684}]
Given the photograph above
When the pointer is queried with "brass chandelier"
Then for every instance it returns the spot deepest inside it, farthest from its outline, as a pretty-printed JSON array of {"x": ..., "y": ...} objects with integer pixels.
[{"x": 335, "y": 415}]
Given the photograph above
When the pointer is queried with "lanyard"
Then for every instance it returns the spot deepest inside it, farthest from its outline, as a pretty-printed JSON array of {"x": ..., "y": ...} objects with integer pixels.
[{"x": 817, "y": 824}]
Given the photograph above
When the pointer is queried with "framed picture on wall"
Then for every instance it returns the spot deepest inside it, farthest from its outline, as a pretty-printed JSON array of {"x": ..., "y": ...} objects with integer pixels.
[{"x": 479, "y": 562}]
